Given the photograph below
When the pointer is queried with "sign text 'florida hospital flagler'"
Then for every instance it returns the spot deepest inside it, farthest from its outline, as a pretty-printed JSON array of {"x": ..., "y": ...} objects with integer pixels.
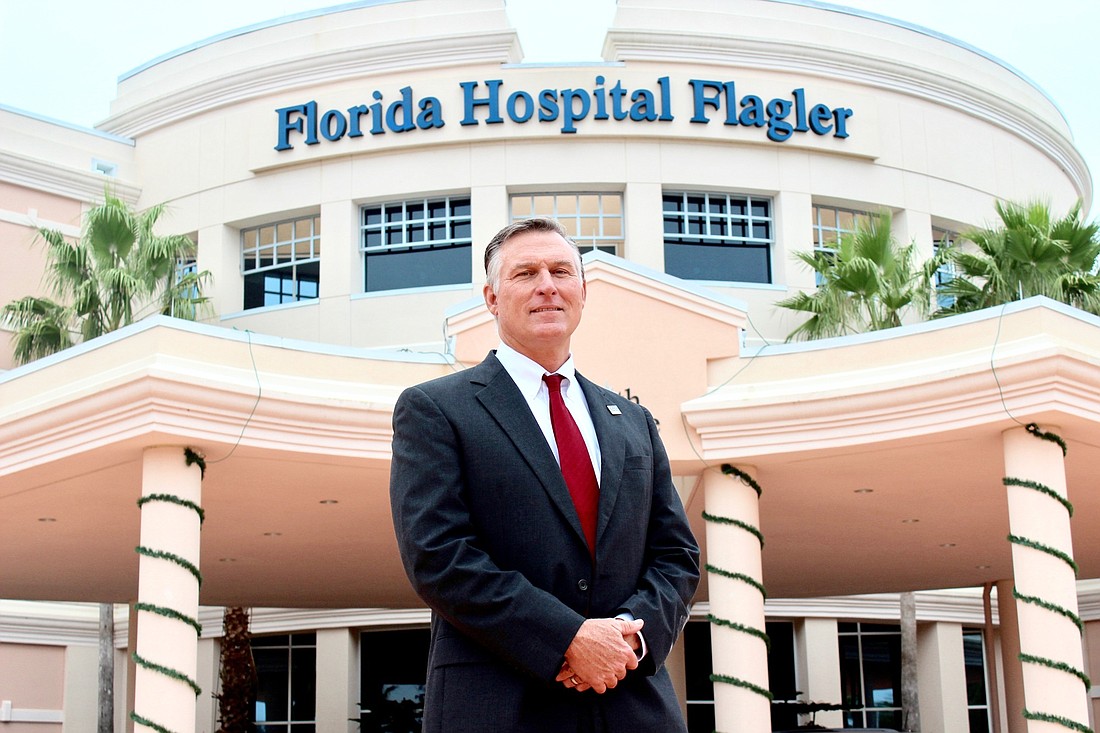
[{"x": 490, "y": 102}]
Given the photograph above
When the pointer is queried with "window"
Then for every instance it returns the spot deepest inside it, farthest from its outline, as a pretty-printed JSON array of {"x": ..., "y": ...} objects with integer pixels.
[
  {"x": 832, "y": 224},
  {"x": 870, "y": 675},
  {"x": 716, "y": 236},
  {"x": 281, "y": 262},
  {"x": 593, "y": 220},
  {"x": 945, "y": 273},
  {"x": 391, "y": 680},
  {"x": 414, "y": 244},
  {"x": 977, "y": 701},
  {"x": 286, "y": 672}
]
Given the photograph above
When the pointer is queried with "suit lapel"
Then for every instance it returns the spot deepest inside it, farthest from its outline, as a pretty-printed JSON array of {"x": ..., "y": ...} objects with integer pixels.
[
  {"x": 609, "y": 433},
  {"x": 502, "y": 399}
]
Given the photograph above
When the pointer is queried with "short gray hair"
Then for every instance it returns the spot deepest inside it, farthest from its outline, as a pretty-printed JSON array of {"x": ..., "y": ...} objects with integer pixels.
[{"x": 534, "y": 224}]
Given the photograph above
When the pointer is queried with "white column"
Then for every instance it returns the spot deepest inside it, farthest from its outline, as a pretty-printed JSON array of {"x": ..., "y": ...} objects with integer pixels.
[
  {"x": 818, "y": 651},
  {"x": 734, "y": 553},
  {"x": 170, "y": 544},
  {"x": 1042, "y": 549},
  {"x": 941, "y": 678},
  {"x": 337, "y": 682}
]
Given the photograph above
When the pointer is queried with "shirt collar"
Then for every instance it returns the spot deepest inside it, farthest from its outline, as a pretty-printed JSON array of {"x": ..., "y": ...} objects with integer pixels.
[{"x": 526, "y": 373}]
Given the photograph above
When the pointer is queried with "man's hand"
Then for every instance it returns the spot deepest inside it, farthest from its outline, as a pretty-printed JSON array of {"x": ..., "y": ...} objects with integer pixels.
[{"x": 601, "y": 654}]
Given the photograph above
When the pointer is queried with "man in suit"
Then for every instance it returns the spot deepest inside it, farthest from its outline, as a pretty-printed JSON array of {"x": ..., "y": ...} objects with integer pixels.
[{"x": 553, "y": 607}]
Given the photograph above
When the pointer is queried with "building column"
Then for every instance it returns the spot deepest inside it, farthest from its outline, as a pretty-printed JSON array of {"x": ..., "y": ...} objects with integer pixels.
[
  {"x": 817, "y": 650},
  {"x": 337, "y": 681},
  {"x": 941, "y": 677},
  {"x": 740, "y": 654},
  {"x": 166, "y": 648},
  {"x": 1045, "y": 593}
]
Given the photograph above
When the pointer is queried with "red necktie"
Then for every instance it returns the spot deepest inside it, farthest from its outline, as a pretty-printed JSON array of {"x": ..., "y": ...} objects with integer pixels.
[{"x": 576, "y": 464}]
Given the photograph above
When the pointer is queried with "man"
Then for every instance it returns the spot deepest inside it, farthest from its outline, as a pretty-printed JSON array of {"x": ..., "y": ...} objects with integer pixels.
[{"x": 554, "y": 607}]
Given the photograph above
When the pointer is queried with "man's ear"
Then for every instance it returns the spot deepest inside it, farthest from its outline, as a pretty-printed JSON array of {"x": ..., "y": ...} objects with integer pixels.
[{"x": 490, "y": 298}]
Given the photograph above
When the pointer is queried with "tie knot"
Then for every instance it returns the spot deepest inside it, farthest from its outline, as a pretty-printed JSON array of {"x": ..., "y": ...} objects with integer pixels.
[{"x": 553, "y": 381}]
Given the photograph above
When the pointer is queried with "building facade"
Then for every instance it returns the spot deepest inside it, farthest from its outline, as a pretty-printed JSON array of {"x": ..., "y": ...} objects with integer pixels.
[{"x": 341, "y": 173}]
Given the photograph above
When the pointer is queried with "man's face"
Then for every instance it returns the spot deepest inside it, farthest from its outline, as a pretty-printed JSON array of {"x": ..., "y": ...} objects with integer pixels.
[{"x": 539, "y": 296}]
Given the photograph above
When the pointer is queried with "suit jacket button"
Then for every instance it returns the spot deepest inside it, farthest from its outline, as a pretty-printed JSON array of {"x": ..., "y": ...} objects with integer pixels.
[{"x": 582, "y": 584}]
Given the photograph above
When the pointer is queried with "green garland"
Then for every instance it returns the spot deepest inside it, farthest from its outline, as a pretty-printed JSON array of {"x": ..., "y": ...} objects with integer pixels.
[
  {"x": 1025, "y": 658},
  {"x": 751, "y": 631},
  {"x": 1042, "y": 489},
  {"x": 173, "y": 499},
  {"x": 172, "y": 614},
  {"x": 1064, "y": 722},
  {"x": 171, "y": 557},
  {"x": 1033, "y": 428},
  {"x": 1061, "y": 610},
  {"x": 1055, "y": 664},
  {"x": 748, "y": 480},
  {"x": 736, "y": 523},
  {"x": 191, "y": 458},
  {"x": 167, "y": 672},
  {"x": 738, "y": 682},
  {"x": 749, "y": 580},
  {"x": 745, "y": 478},
  {"x": 148, "y": 723},
  {"x": 1052, "y": 551}
]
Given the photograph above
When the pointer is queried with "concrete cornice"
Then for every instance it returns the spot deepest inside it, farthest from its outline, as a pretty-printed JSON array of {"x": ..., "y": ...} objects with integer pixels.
[
  {"x": 157, "y": 382},
  {"x": 317, "y": 69},
  {"x": 971, "y": 375},
  {"x": 851, "y": 64},
  {"x": 85, "y": 186}
]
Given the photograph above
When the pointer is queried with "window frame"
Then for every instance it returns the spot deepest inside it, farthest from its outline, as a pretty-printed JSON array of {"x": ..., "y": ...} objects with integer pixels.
[
  {"x": 289, "y": 271},
  {"x": 406, "y": 224},
  {"x": 572, "y": 218},
  {"x": 706, "y": 220}
]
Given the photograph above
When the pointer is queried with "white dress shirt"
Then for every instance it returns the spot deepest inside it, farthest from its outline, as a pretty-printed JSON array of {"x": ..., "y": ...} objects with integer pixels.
[{"x": 527, "y": 375}]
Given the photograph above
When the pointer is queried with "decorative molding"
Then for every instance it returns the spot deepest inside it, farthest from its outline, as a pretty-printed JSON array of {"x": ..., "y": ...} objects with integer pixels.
[
  {"x": 85, "y": 186},
  {"x": 848, "y": 64},
  {"x": 239, "y": 85}
]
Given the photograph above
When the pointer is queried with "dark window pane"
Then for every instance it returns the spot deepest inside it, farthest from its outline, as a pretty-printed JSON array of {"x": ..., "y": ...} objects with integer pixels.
[
  {"x": 303, "y": 690},
  {"x": 696, "y": 204},
  {"x": 392, "y": 677},
  {"x": 437, "y": 209},
  {"x": 718, "y": 262},
  {"x": 273, "y": 678},
  {"x": 419, "y": 267},
  {"x": 372, "y": 215},
  {"x": 979, "y": 721},
  {"x": 671, "y": 203}
]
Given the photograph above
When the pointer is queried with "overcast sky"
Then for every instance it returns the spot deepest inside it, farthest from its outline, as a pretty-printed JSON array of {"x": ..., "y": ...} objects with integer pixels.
[{"x": 62, "y": 58}]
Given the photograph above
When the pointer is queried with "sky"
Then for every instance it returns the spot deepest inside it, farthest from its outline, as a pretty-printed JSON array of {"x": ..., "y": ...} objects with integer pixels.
[{"x": 61, "y": 59}]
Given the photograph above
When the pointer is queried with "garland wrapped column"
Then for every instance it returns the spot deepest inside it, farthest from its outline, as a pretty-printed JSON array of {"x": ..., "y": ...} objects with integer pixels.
[
  {"x": 742, "y": 702},
  {"x": 1055, "y": 686},
  {"x": 166, "y": 650}
]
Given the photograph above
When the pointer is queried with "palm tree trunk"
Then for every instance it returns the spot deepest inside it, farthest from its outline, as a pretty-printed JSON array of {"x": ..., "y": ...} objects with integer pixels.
[
  {"x": 106, "y": 668},
  {"x": 910, "y": 699}
]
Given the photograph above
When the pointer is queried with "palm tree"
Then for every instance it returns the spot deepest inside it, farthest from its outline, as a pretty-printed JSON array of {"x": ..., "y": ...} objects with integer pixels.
[
  {"x": 118, "y": 271},
  {"x": 1028, "y": 253},
  {"x": 868, "y": 283}
]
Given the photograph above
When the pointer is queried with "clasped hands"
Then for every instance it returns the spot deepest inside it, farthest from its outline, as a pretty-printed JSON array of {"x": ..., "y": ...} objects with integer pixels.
[{"x": 601, "y": 654}]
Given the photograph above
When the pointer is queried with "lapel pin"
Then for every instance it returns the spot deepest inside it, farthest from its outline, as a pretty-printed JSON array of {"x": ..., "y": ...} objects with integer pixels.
[{"x": 614, "y": 410}]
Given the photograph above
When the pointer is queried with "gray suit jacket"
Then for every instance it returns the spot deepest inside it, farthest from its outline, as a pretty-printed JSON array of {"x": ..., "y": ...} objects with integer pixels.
[{"x": 491, "y": 542}]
